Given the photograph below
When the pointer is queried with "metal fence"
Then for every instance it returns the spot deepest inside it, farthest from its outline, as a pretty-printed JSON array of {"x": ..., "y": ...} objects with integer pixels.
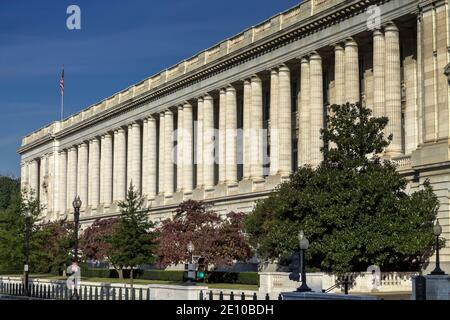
[
  {"x": 62, "y": 292},
  {"x": 232, "y": 296}
]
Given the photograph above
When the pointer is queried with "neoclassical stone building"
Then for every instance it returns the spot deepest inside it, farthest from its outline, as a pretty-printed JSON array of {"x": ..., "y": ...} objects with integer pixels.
[{"x": 228, "y": 124}]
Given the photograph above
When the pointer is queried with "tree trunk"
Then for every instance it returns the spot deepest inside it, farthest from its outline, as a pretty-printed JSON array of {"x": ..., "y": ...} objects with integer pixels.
[{"x": 120, "y": 272}]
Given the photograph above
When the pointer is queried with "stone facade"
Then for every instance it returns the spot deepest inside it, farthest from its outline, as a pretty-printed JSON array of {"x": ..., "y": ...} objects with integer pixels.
[{"x": 228, "y": 124}]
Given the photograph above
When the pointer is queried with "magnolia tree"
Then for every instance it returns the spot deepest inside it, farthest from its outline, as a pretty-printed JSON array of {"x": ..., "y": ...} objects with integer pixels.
[
  {"x": 353, "y": 207},
  {"x": 219, "y": 241}
]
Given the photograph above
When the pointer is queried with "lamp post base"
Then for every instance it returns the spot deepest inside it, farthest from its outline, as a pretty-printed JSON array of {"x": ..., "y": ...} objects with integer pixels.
[{"x": 304, "y": 288}]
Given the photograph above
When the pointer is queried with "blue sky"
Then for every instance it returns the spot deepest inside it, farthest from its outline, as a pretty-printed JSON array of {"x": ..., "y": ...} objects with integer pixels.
[{"x": 120, "y": 43}]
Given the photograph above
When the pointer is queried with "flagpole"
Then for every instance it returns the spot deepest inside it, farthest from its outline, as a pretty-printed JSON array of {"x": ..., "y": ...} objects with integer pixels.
[
  {"x": 61, "y": 89},
  {"x": 62, "y": 105}
]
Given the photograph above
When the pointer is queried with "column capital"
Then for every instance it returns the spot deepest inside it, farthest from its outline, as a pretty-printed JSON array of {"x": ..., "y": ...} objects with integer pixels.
[
  {"x": 283, "y": 68},
  {"x": 200, "y": 99},
  {"x": 207, "y": 97},
  {"x": 391, "y": 26},
  {"x": 187, "y": 105},
  {"x": 120, "y": 130},
  {"x": 315, "y": 56},
  {"x": 83, "y": 145},
  {"x": 305, "y": 59},
  {"x": 168, "y": 112},
  {"x": 150, "y": 119},
  {"x": 230, "y": 88},
  {"x": 274, "y": 71},
  {"x": 350, "y": 42},
  {"x": 180, "y": 107},
  {"x": 339, "y": 45},
  {"x": 256, "y": 78}
]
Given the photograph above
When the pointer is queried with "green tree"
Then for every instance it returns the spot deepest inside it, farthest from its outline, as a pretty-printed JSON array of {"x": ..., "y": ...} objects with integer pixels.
[
  {"x": 9, "y": 188},
  {"x": 132, "y": 240},
  {"x": 353, "y": 207},
  {"x": 12, "y": 230}
]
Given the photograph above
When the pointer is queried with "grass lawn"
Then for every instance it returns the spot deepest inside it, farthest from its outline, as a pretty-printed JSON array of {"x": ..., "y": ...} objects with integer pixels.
[{"x": 224, "y": 286}]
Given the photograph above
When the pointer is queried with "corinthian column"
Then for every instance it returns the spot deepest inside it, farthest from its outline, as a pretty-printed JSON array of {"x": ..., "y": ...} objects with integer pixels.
[
  {"x": 168, "y": 154},
  {"x": 285, "y": 121},
  {"x": 305, "y": 116},
  {"x": 120, "y": 165},
  {"x": 393, "y": 89},
  {"x": 94, "y": 173},
  {"x": 180, "y": 133},
  {"x": 339, "y": 74},
  {"x": 231, "y": 136},
  {"x": 62, "y": 185},
  {"x": 316, "y": 105},
  {"x": 222, "y": 135},
  {"x": 208, "y": 142},
  {"x": 256, "y": 127},
  {"x": 136, "y": 162},
  {"x": 246, "y": 126},
  {"x": 83, "y": 173},
  {"x": 71, "y": 176},
  {"x": 199, "y": 143},
  {"x": 188, "y": 167},
  {"x": 274, "y": 127},
  {"x": 161, "y": 154},
  {"x": 351, "y": 71},
  {"x": 378, "y": 74},
  {"x": 106, "y": 170},
  {"x": 151, "y": 158}
]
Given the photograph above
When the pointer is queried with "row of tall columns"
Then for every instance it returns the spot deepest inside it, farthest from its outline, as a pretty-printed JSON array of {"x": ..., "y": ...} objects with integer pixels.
[{"x": 101, "y": 170}]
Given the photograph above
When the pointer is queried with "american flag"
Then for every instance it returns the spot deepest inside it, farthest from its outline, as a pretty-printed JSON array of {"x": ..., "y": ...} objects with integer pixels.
[{"x": 61, "y": 81}]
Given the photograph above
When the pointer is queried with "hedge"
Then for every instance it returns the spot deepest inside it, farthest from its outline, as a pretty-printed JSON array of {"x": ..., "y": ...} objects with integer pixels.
[{"x": 251, "y": 278}]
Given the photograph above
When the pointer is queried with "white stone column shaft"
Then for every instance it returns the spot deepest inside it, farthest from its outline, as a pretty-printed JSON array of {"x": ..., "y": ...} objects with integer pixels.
[
  {"x": 136, "y": 160},
  {"x": 168, "y": 154},
  {"x": 120, "y": 165},
  {"x": 351, "y": 71},
  {"x": 107, "y": 170},
  {"x": 82, "y": 185},
  {"x": 208, "y": 142},
  {"x": 34, "y": 178},
  {"x": 94, "y": 173},
  {"x": 305, "y": 114},
  {"x": 188, "y": 160},
  {"x": 71, "y": 176},
  {"x": 378, "y": 74},
  {"x": 393, "y": 89},
  {"x": 317, "y": 108},
  {"x": 339, "y": 74},
  {"x": 152, "y": 158},
  {"x": 256, "y": 128},
  {"x": 231, "y": 136},
  {"x": 246, "y": 127},
  {"x": 274, "y": 127},
  {"x": 199, "y": 143},
  {"x": 145, "y": 154},
  {"x": 180, "y": 164},
  {"x": 161, "y": 152},
  {"x": 62, "y": 182},
  {"x": 222, "y": 135},
  {"x": 285, "y": 121}
]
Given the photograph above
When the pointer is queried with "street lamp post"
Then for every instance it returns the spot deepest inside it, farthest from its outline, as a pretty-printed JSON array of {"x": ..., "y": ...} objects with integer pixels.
[
  {"x": 437, "y": 230},
  {"x": 26, "y": 251},
  {"x": 190, "y": 249},
  {"x": 304, "y": 244},
  {"x": 76, "y": 218}
]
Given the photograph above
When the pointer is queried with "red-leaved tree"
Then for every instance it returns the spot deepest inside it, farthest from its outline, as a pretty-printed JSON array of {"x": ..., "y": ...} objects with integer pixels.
[
  {"x": 93, "y": 244},
  {"x": 219, "y": 241}
]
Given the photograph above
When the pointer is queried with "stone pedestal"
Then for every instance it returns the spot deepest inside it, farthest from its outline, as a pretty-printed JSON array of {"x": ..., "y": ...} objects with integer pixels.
[
  {"x": 174, "y": 292},
  {"x": 437, "y": 287}
]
